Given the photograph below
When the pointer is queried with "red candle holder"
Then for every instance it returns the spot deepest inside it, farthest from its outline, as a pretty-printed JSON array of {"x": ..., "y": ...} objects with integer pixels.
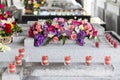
[
  {"x": 67, "y": 60},
  {"x": 21, "y": 52},
  {"x": 45, "y": 60},
  {"x": 12, "y": 68},
  {"x": 88, "y": 60},
  {"x": 115, "y": 44},
  {"x": 112, "y": 41},
  {"x": 18, "y": 60},
  {"x": 97, "y": 44},
  {"x": 107, "y": 60},
  {"x": 108, "y": 36}
]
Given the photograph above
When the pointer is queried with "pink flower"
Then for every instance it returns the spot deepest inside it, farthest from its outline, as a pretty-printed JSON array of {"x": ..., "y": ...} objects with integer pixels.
[
  {"x": 56, "y": 39},
  {"x": 35, "y": 32},
  {"x": 73, "y": 36},
  {"x": 95, "y": 33},
  {"x": 72, "y": 27},
  {"x": 2, "y": 6},
  {"x": 89, "y": 32},
  {"x": 88, "y": 26},
  {"x": 38, "y": 28},
  {"x": 57, "y": 26},
  {"x": 61, "y": 20}
]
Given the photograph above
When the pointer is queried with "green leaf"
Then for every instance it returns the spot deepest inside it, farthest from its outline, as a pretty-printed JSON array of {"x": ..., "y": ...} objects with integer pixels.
[
  {"x": 64, "y": 38},
  {"x": 98, "y": 39},
  {"x": 47, "y": 41}
]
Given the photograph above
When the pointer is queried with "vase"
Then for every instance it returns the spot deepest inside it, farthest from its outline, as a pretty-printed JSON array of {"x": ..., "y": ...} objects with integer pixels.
[{"x": 6, "y": 40}]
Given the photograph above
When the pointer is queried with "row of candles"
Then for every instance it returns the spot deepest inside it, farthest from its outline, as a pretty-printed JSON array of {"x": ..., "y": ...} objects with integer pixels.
[
  {"x": 61, "y": 12},
  {"x": 111, "y": 40},
  {"x": 67, "y": 60},
  {"x": 18, "y": 61},
  {"x": 45, "y": 61}
]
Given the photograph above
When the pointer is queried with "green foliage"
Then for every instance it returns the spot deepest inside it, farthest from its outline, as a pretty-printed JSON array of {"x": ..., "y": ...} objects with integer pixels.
[
  {"x": 17, "y": 29},
  {"x": 47, "y": 41}
]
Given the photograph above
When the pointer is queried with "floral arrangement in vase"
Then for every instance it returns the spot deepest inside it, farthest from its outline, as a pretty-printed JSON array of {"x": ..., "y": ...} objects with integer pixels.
[
  {"x": 8, "y": 26},
  {"x": 58, "y": 29},
  {"x": 33, "y": 6}
]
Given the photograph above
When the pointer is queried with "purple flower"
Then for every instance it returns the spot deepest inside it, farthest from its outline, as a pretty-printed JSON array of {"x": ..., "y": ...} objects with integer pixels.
[
  {"x": 48, "y": 24},
  {"x": 80, "y": 37},
  {"x": 81, "y": 42},
  {"x": 81, "y": 34},
  {"x": 39, "y": 39},
  {"x": 55, "y": 19},
  {"x": 37, "y": 43},
  {"x": 62, "y": 24},
  {"x": 68, "y": 32}
]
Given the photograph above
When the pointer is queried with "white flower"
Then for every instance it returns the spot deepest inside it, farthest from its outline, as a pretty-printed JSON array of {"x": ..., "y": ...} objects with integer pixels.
[
  {"x": 77, "y": 29},
  {"x": 64, "y": 34},
  {"x": 70, "y": 21},
  {"x": 51, "y": 34},
  {"x": 80, "y": 19},
  {"x": 3, "y": 21},
  {"x": 4, "y": 47}
]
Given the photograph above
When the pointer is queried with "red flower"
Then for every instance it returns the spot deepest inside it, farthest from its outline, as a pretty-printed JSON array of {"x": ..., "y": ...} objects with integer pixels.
[
  {"x": 51, "y": 28},
  {"x": 8, "y": 13},
  {"x": 14, "y": 23},
  {"x": 7, "y": 28},
  {"x": 1, "y": 17},
  {"x": 2, "y": 6}
]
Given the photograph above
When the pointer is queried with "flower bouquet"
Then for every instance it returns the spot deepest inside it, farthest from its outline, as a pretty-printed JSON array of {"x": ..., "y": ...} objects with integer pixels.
[
  {"x": 33, "y": 6},
  {"x": 58, "y": 29},
  {"x": 8, "y": 26}
]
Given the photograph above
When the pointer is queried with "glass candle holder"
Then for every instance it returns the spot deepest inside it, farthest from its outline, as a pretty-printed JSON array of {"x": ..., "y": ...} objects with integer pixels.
[
  {"x": 21, "y": 52},
  {"x": 88, "y": 60},
  {"x": 97, "y": 44},
  {"x": 12, "y": 68},
  {"x": 18, "y": 60},
  {"x": 107, "y": 60},
  {"x": 45, "y": 60},
  {"x": 67, "y": 60}
]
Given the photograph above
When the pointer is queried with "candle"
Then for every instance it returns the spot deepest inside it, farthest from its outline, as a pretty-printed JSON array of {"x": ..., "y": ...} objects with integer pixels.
[
  {"x": 115, "y": 44},
  {"x": 107, "y": 60},
  {"x": 45, "y": 60},
  {"x": 18, "y": 60},
  {"x": 88, "y": 60},
  {"x": 21, "y": 52},
  {"x": 112, "y": 41},
  {"x": 12, "y": 67},
  {"x": 67, "y": 60},
  {"x": 97, "y": 44},
  {"x": 108, "y": 35}
]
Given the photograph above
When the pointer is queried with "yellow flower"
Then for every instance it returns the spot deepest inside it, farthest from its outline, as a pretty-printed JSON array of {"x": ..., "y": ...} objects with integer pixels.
[
  {"x": 36, "y": 5},
  {"x": 81, "y": 27},
  {"x": 12, "y": 26}
]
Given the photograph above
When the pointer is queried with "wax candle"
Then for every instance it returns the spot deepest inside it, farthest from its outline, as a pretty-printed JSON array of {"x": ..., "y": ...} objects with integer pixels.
[
  {"x": 88, "y": 60},
  {"x": 12, "y": 68},
  {"x": 97, "y": 44},
  {"x": 107, "y": 60},
  {"x": 45, "y": 60},
  {"x": 21, "y": 52},
  {"x": 67, "y": 60},
  {"x": 18, "y": 60},
  {"x": 115, "y": 44}
]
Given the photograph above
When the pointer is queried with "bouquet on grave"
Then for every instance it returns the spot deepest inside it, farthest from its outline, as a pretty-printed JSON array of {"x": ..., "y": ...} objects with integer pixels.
[{"x": 59, "y": 29}]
